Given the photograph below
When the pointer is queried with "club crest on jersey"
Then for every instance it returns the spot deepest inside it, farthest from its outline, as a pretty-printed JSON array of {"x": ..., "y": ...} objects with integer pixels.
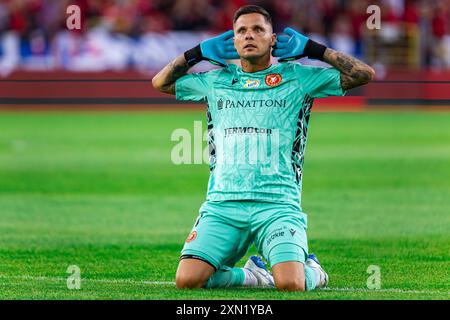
[
  {"x": 251, "y": 84},
  {"x": 191, "y": 236},
  {"x": 273, "y": 79}
]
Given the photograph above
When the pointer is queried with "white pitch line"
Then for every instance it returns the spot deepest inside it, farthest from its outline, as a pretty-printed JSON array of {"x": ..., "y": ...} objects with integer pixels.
[
  {"x": 171, "y": 283},
  {"x": 58, "y": 279},
  {"x": 390, "y": 290}
]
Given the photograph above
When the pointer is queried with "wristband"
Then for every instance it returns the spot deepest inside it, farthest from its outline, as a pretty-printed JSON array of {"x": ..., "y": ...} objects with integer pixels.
[
  {"x": 314, "y": 50},
  {"x": 193, "y": 56}
]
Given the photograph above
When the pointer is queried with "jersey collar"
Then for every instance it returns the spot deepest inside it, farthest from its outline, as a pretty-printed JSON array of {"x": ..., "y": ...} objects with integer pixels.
[{"x": 257, "y": 73}]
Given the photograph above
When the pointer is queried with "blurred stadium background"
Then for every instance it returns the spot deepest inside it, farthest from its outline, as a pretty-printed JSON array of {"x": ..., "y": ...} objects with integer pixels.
[
  {"x": 129, "y": 41},
  {"x": 99, "y": 190}
]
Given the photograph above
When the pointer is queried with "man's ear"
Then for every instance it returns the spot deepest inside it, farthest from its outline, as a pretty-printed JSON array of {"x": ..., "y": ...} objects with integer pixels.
[{"x": 274, "y": 40}]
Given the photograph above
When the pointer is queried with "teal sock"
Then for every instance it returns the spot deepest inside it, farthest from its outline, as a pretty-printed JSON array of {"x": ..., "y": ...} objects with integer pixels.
[
  {"x": 232, "y": 277},
  {"x": 311, "y": 278}
]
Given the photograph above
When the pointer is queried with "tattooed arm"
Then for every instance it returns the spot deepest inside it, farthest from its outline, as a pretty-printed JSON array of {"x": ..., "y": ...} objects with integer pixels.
[
  {"x": 354, "y": 73},
  {"x": 164, "y": 81}
]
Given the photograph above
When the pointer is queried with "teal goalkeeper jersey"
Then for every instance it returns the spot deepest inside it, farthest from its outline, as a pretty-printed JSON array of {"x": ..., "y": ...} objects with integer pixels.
[{"x": 257, "y": 127}]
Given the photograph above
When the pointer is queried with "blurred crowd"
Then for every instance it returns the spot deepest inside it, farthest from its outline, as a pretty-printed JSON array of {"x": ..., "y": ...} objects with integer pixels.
[
  {"x": 134, "y": 17},
  {"x": 340, "y": 23}
]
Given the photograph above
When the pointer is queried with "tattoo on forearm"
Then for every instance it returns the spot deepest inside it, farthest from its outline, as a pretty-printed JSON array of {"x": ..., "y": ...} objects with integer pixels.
[
  {"x": 354, "y": 72},
  {"x": 345, "y": 65},
  {"x": 177, "y": 70},
  {"x": 171, "y": 73}
]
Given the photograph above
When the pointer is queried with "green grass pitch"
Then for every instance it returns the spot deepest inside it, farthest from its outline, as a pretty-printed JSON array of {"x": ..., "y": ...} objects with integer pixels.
[{"x": 98, "y": 190}]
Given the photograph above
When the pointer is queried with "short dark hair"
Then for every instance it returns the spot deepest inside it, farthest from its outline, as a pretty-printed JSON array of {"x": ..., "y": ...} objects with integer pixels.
[{"x": 252, "y": 9}]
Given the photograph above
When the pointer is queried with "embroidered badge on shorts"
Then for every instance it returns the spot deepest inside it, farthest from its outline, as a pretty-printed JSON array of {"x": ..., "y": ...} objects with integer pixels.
[{"x": 191, "y": 236}]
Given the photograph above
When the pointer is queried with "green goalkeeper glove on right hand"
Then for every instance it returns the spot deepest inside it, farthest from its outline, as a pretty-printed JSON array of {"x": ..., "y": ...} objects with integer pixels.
[{"x": 215, "y": 50}]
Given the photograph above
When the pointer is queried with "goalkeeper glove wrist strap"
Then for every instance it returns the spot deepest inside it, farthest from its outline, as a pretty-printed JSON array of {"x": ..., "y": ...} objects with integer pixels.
[
  {"x": 193, "y": 56},
  {"x": 314, "y": 50}
]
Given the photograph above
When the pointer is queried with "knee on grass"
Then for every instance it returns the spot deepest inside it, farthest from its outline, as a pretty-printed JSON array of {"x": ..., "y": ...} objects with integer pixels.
[
  {"x": 186, "y": 281},
  {"x": 290, "y": 285}
]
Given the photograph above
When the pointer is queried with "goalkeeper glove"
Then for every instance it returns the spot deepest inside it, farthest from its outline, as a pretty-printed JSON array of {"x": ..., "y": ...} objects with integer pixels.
[
  {"x": 214, "y": 50},
  {"x": 294, "y": 45}
]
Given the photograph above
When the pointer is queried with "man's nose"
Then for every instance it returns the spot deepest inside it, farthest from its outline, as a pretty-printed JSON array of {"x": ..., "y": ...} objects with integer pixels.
[{"x": 248, "y": 35}]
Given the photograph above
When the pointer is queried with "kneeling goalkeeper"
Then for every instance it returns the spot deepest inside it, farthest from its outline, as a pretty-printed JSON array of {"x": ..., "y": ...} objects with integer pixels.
[{"x": 258, "y": 116}]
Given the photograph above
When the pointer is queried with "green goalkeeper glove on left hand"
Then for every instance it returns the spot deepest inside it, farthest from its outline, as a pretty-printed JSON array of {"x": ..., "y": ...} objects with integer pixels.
[{"x": 293, "y": 45}]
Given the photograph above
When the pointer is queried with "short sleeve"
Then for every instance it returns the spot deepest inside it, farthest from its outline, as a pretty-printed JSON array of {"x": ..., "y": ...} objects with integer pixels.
[
  {"x": 321, "y": 82},
  {"x": 192, "y": 87}
]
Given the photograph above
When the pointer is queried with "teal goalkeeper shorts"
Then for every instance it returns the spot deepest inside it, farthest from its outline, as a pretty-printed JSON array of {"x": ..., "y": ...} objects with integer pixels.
[{"x": 225, "y": 230}]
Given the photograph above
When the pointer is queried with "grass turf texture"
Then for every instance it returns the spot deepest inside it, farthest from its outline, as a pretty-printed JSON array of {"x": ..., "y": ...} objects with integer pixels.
[{"x": 98, "y": 190}]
